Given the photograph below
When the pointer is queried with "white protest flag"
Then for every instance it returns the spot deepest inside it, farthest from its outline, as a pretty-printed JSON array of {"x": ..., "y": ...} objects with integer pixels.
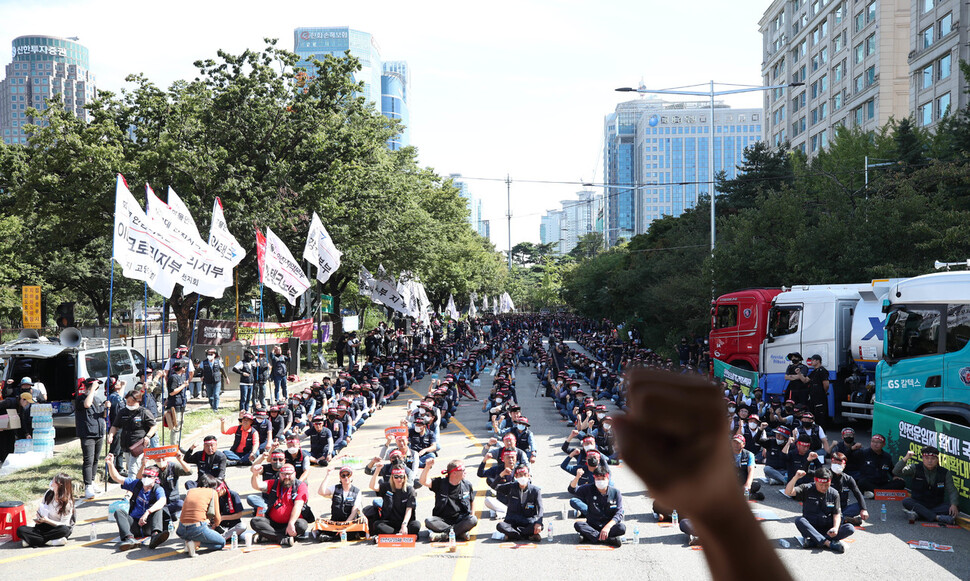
[
  {"x": 471, "y": 306},
  {"x": 451, "y": 309},
  {"x": 141, "y": 246},
  {"x": 208, "y": 274},
  {"x": 221, "y": 239},
  {"x": 507, "y": 304},
  {"x": 280, "y": 271},
  {"x": 320, "y": 250},
  {"x": 366, "y": 284},
  {"x": 385, "y": 291},
  {"x": 485, "y": 303}
]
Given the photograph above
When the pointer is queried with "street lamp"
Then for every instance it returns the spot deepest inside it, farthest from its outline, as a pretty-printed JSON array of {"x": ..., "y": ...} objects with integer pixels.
[{"x": 709, "y": 93}]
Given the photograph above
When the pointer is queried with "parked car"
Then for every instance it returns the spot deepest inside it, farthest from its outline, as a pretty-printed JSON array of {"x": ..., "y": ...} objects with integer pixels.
[{"x": 59, "y": 362}]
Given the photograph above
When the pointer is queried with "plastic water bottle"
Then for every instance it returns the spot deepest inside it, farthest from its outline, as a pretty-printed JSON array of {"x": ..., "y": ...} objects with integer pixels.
[
  {"x": 92, "y": 535},
  {"x": 636, "y": 535},
  {"x": 452, "y": 545},
  {"x": 171, "y": 527},
  {"x": 549, "y": 534},
  {"x": 343, "y": 537},
  {"x": 882, "y": 512},
  {"x": 234, "y": 542},
  {"x": 784, "y": 543},
  {"x": 675, "y": 519}
]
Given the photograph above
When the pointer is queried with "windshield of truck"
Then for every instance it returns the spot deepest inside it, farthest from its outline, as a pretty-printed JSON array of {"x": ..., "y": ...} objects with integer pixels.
[
  {"x": 913, "y": 332},
  {"x": 727, "y": 316},
  {"x": 783, "y": 321},
  {"x": 957, "y": 327}
]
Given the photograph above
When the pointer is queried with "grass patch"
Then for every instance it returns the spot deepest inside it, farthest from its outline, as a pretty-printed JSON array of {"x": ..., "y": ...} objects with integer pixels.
[{"x": 30, "y": 484}]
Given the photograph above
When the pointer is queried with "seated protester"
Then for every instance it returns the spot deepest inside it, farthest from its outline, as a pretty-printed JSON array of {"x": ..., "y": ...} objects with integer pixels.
[
  {"x": 821, "y": 522},
  {"x": 168, "y": 476},
  {"x": 345, "y": 502},
  {"x": 208, "y": 461},
  {"x": 877, "y": 469},
  {"x": 605, "y": 441},
  {"x": 263, "y": 428},
  {"x": 801, "y": 458},
  {"x": 423, "y": 442},
  {"x": 587, "y": 444},
  {"x": 200, "y": 512},
  {"x": 744, "y": 462},
  {"x": 583, "y": 476},
  {"x": 231, "y": 509},
  {"x": 933, "y": 497},
  {"x": 453, "y": 501},
  {"x": 268, "y": 471},
  {"x": 776, "y": 460},
  {"x": 819, "y": 442},
  {"x": 295, "y": 455},
  {"x": 845, "y": 485},
  {"x": 852, "y": 451},
  {"x": 242, "y": 452},
  {"x": 143, "y": 516},
  {"x": 382, "y": 469},
  {"x": 604, "y": 516},
  {"x": 284, "y": 520},
  {"x": 296, "y": 415},
  {"x": 523, "y": 519},
  {"x": 321, "y": 442},
  {"x": 338, "y": 429},
  {"x": 508, "y": 443},
  {"x": 502, "y": 473},
  {"x": 395, "y": 513},
  {"x": 754, "y": 436},
  {"x": 523, "y": 437},
  {"x": 55, "y": 517}
]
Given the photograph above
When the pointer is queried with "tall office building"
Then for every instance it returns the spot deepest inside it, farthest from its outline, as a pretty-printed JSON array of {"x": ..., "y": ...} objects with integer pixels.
[
  {"x": 937, "y": 44},
  {"x": 385, "y": 84},
  {"x": 395, "y": 81},
  {"x": 474, "y": 205},
  {"x": 854, "y": 59},
  {"x": 43, "y": 67},
  {"x": 661, "y": 150},
  {"x": 574, "y": 219}
]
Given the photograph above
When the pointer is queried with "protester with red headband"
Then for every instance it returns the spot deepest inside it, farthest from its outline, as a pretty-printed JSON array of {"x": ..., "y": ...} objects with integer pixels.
[
  {"x": 821, "y": 521},
  {"x": 453, "y": 501},
  {"x": 877, "y": 469},
  {"x": 245, "y": 442},
  {"x": 143, "y": 515},
  {"x": 345, "y": 501},
  {"x": 284, "y": 516},
  {"x": 395, "y": 515},
  {"x": 744, "y": 462}
]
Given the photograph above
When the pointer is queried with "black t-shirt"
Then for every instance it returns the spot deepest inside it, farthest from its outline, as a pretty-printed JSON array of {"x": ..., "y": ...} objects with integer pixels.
[
  {"x": 396, "y": 503},
  {"x": 342, "y": 502},
  {"x": 452, "y": 502},
  {"x": 816, "y": 506},
  {"x": 89, "y": 422},
  {"x": 133, "y": 424},
  {"x": 816, "y": 390}
]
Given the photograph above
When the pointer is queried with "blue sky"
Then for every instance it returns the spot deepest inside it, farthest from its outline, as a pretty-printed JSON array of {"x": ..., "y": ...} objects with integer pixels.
[{"x": 505, "y": 87}]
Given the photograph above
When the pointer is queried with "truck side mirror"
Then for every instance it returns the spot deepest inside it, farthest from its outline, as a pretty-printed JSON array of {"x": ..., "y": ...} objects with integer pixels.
[{"x": 885, "y": 306}]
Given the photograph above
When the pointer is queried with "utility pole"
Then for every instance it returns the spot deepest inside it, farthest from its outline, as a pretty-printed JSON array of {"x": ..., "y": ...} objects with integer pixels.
[{"x": 508, "y": 202}]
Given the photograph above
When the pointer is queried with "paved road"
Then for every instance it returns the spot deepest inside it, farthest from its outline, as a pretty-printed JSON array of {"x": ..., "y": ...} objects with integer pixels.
[{"x": 879, "y": 552}]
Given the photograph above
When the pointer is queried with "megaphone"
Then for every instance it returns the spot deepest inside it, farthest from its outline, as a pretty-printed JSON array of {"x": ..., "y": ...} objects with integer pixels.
[
  {"x": 70, "y": 337},
  {"x": 28, "y": 334},
  {"x": 938, "y": 265}
]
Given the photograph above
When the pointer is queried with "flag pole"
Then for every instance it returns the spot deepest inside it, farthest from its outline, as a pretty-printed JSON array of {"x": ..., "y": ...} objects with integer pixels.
[{"x": 145, "y": 315}]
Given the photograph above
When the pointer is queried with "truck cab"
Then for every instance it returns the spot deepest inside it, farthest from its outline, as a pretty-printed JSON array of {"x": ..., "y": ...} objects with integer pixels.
[
  {"x": 738, "y": 325},
  {"x": 926, "y": 362}
]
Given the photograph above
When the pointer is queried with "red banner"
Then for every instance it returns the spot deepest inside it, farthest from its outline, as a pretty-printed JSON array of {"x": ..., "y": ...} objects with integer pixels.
[{"x": 274, "y": 333}]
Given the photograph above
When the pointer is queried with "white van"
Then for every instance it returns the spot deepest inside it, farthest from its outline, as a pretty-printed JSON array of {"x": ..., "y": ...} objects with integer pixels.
[{"x": 58, "y": 363}]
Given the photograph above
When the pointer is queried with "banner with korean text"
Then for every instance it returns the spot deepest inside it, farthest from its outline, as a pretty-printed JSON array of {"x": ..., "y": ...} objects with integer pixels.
[{"x": 909, "y": 431}]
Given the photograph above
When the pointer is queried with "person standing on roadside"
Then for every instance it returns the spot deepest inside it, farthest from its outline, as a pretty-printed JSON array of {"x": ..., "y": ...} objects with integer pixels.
[
  {"x": 89, "y": 422},
  {"x": 278, "y": 367},
  {"x": 818, "y": 390},
  {"x": 213, "y": 375}
]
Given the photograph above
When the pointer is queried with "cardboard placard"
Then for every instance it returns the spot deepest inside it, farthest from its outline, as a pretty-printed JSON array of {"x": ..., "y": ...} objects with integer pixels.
[
  {"x": 161, "y": 452},
  {"x": 889, "y": 494},
  {"x": 594, "y": 548},
  {"x": 395, "y": 431},
  {"x": 396, "y": 540},
  {"x": 928, "y": 546},
  {"x": 937, "y": 525}
]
